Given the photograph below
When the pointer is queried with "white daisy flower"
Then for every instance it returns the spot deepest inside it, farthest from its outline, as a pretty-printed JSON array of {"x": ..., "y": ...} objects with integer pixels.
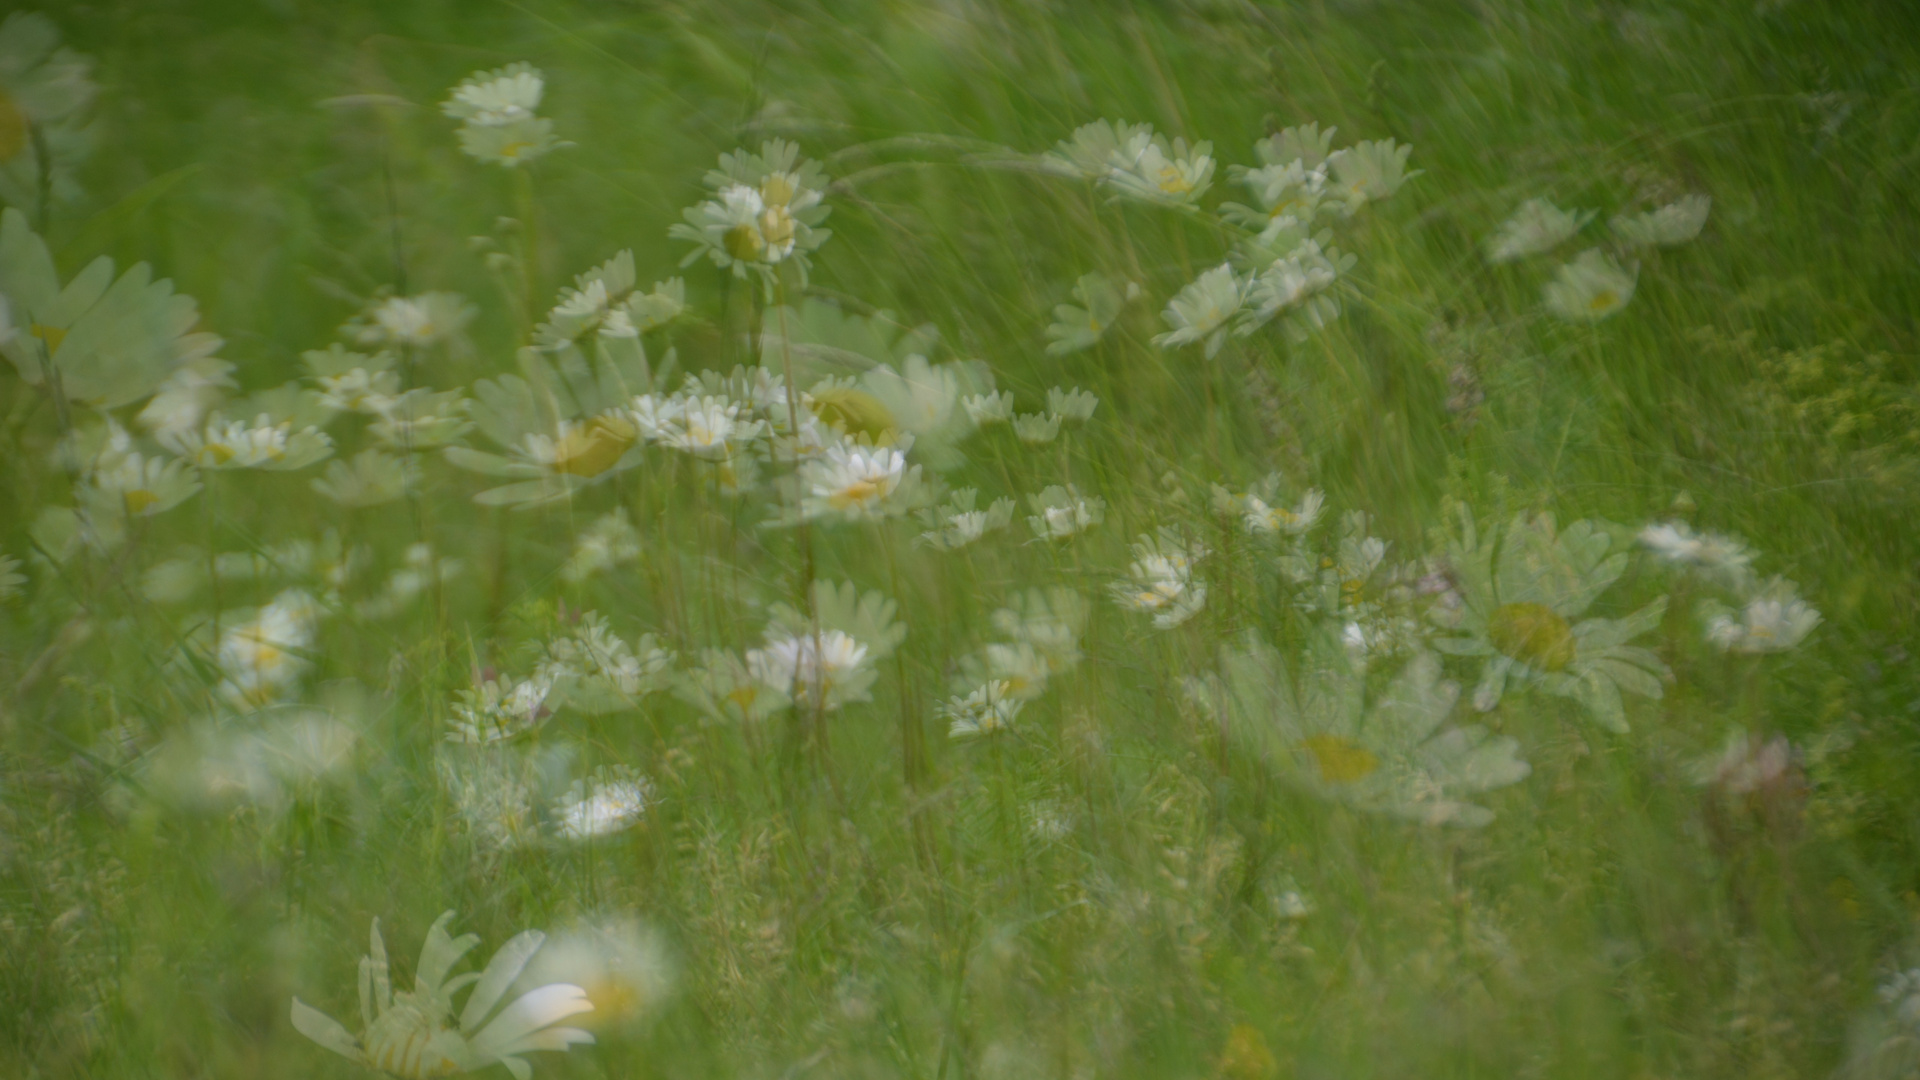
[
  {"x": 498, "y": 708},
  {"x": 609, "y": 803},
  {"x": 721, "y": 686},
  {"x": 1369, "y": 171},
  {"x": 1079, "y": 327},
  {"x": 1088, "y": 153},
  {"x": 421, "y": 419},
  {"x": 263, "y": 657},
  {"x": 109, "y": 342},
  {"x": 1675, "y": 223},
  {"x": 1161, "y": 582},
  {"x": 584, "y": 448},
  {"x": 1306, "y": 145},
  {"x": 1062, "y": 512},
  {"x": 767, "y": 211},
  {"x": 1201, "y": 310},
  {"x": 509, "y": 145},
  {"x": 1264, "y": 520},
  {"x": 1392, "y": 754},
  {"x": 414, "y": 1035},
  {"x": 186, "y": 397},
  {"x": 1289, "y": 192},
  {"x": 1713, "y": 553},
  {"x": 1076, "y": 404},
  {"x": 811, "y": 666},
  {"x": 409, "y": 321},
  {"x": 710, "y": 428},
  {"x": 138, "y": 486},
  {"x": 1774, "y": 619},
  {"x": 1520, "y": 591},
  {"x": 853, "y": 482},
  {"x": 1145, "y": 167},
  {"x": 359, "y": 390},
  {"x": 235, "y": 444},
  {"x": 1536, "y": 228},
  {"x": 1590, "y": 288},
  {"x": 1036, "y": 429},
  {"x": 989, "y": 408},
  {"x": 497, "y": 98},
  {"x": 989, "y": 710},
  {"x": 958, "y": 523},
  {"x": 1294, "y": 285}
]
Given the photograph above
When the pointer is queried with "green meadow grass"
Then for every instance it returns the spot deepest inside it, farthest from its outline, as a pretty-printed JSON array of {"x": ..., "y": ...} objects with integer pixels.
[{"x": 871, "y": 900}]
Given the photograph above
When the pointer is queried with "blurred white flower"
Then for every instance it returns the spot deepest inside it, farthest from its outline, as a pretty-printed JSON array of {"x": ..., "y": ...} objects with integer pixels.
[
  {"x": 1264, "y": 520},
  {"x": 1774, "y": 619},
  {"x": 1036, "y": 429},
  {"x": 956, "y": 523},
  {"x": 1062, "y": 512},
  {"x": 1590, "y": 288},
  {"x": 1201, "y": 310},
  {"x": 1537, "y": 227},
  {"x": 1160, "y": 581},
  {"x": 1675, "y": 223},
  {"x": 608, "y": 803},
  {"x": 989, "y": 710},
  {"x": 264, "y": 656},
  {"x": 853, "y": 482},
  {"x": 413, "y": 1034},
  {"x": 1713, "y": 553},
  {"x": 989, "y": 408},
  {"x": 235, "y": 444},
  {"x": 1369, "y": 171},
  {"x": 496, "y": 98}
]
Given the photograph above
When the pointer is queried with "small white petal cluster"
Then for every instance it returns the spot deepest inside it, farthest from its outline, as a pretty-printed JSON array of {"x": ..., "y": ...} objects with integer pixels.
[
  {"x": 989, "y": 710},
  {"x": 957, "y": 523},
  {"x": 1670, "y": 225},
  {"x": 1061, "y": 512},
  {"x": 498, "y": 124},
  {"x": 1161, "y": 582},
  {"x": 266, "y": 655},
  {"x": 608, "y": 803},
  {"x": 497, "y": 709},
  {"x": 1590, "y": 288},
  {"x": 1714, "y": 554},
  {"x": 1774, "y": 619},
  {"x": 263, "y": 444},
  {"x": 1537, "y": 227}
]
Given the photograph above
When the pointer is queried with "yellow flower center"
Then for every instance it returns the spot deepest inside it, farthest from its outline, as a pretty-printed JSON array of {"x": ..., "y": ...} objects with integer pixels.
[
  {"x": 1604, "y": 300},
  {"x": 777, "y": 226},
  {"x": 778, "y": 189},
  {"x": 1341, "y": 761},
  {"x": 1532, "y": 633},
  {"x": 1246, "y": 1057},
  {"x": 859, "y": 492},
  {"x": 52, "y": 335},
  {"x": 217, "y": 453},
  {"x": 593, "y": 448},
  {"x": 138, "y": 501},
  {"x": 14, "y": 131},
  {"x": 744, "y": 242}
]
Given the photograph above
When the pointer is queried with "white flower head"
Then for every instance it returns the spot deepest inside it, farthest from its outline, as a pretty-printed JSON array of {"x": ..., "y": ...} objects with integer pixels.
[
  {"x": 1714, "y": 554},
  {"x": 610, "y": 802},
  {"x": 957, "y": 522},
  {"x": 1060, "y": 513},
  {"x": 1076, "y": 404},
  {"x": 409, "y": 321},
  {"x": 854, "y": 482},
  {"x": 1160, "y": 581},
  {"x": 1675, "y": 223},
  {"x": 497, "y": 708},
  {"x": 261, "y": 658},
  {"x": 1036, "y": 429},
  {"x": 989, "y": 710},
  {"x": 1077, "y": 327},
  {"x": 1590, "y": 288},
  {"x": 1145, "y": 167},
  {"x": 139, "y": 486},
  {"x": 1264, "y": 520},
  {"x": 497, "y": 98},
  {"x": 1088, "y": 153},
  {"x": 1774, "y": 619},
  {"x": 989, "y": 408},
  {"x": 414, "y": 1034},
  {"x": 1537, "y": 227},
  {"x": 1201, "y": 310},
  {"x": 1369, "y": 171},
  {"x": 810, "y": 666}
]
